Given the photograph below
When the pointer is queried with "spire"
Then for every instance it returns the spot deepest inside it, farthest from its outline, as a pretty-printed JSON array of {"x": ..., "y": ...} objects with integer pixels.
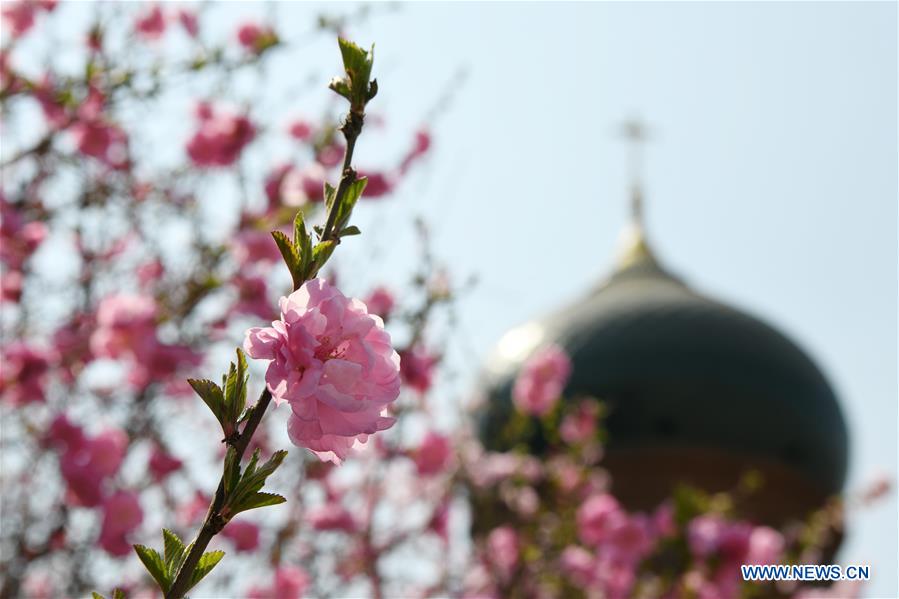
[{"x": 633, "y": 245}]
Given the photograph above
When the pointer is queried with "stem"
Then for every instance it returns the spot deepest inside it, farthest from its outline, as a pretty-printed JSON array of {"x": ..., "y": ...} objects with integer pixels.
[
  {"x": 214, "y": 522},
  {"x": 351, "y": 129}
]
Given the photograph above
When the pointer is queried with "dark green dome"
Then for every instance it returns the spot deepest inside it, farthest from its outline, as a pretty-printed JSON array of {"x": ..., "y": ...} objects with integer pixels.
[{"x": 678, "y": 370}]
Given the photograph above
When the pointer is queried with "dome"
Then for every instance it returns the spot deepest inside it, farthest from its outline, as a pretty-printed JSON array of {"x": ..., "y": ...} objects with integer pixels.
[{"x": 695, "y": 390}]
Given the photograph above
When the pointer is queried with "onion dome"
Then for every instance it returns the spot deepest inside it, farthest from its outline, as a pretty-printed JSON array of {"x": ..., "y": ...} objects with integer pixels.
[{"x": 696, "y": 391}]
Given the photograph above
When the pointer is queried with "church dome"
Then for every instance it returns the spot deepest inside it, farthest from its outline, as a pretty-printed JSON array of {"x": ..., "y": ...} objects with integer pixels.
[{"x": 696, "y": 391}]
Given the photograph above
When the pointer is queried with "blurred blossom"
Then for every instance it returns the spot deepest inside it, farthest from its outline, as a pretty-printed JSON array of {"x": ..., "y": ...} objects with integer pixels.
[
  {"x": 417, "y": 367},
  {"x": 121, "y": 515},
  {"x": 88, "y": 462},
  {"x": 300, "y": 129},
  {"x": 151, "y": 24},
  {"x": 596, "y": 517},
  {"x": 255, "y": 37},
  {"x": 289, "y": 583},
  {"x": 254, "y": 247},
  {"x": 162, "y": 464},
  {"x": 331, "y": 516},
  {"x": 578, "y": 564},
  {"x": 220, "y": 138},
  {"x": 542, "y": 378},
  {"x": 502, "y": 550},
  {"x": 19, "y": 15},
  {"x": 380, "y": 301},
  {"x": 188, "y": 20},
  {"x": 580, "y": 424},
  {"x": 23, "y": 377},
  {"x": 331, "y": 155},
  {"x": 420, "y": 146},
  {"x": 379, "y": 184},
  {"x": 333, "y": 363},
  {"x": 704, "y": 533},
  {"x": 434, "y": 454},
  {"x": 300, "y": 186},
  {"x": 766, "y": 546},
  {"x": 244, "y": 535}
]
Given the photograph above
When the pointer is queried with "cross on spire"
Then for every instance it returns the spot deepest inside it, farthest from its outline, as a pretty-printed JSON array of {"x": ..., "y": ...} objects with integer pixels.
[
  {"x": 636, "y": 134},
  {"x": 634, "y": 245}
]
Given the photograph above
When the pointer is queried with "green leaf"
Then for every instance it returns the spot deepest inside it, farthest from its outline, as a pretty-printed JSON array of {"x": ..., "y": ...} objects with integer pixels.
[
  {"x": 235, "y": 387},
  {"x": 351, "y": 230},
  {"x": 291, "y": 257},
  {"x": 174, "y": 550},
  {"x": 330, "y": 194},
  {"x": 211, "y": 395},
  {"x": 350, "y": 197},
  {"x": 302, "y": 242},
  {"x": 356, "y": 85},
  {"x": 118, "y": 594},
  {"x": 155, "y": 565},
  {"x": 244, "y": 493},
  {"x": 207, "y": 562},
  {"x": 320, "y": 255},
  {"x": 259, "y": 500},
  {"x": 232, "y": 470},
  {"x": 96, "y": 595}
]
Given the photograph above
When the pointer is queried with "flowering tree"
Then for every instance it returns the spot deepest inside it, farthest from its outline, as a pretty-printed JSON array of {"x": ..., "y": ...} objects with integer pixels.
[{"x": 120, "y": 282}]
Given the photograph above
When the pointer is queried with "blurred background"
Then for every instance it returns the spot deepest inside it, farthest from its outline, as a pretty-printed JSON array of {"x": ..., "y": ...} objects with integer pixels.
[{"x": 769, "y": 173}]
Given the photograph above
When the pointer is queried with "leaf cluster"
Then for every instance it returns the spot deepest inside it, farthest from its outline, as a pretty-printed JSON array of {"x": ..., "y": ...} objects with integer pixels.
[
  {"x": 164, "y": 568},
  {"x": 356, "y": 85},
  {"x": 228, "y": 402}
]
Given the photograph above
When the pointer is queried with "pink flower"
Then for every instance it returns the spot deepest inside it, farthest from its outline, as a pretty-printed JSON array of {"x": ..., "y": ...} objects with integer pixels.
[
  {"x": 121, "y": 515},
  {"x": 300, "y": 129},
  {"x": 540, "y": 383},
  {"x": 417, "y": 367},
  {"x": 253, "y": 247},
  {"x": 419, "y": 148},
  {"x": 23, "y": 377},
  {"x": 433, "y": 455},
  {"x": 151, "y": 25},
  {"x": 273, "y": 185},
  {"x": 19, "y": 15},
  {"x": 87, "y": 462},
  {"x": 162, "y": 464},
  {"x": 380, "y": 301},
  {"x": 502, "y": 550},
  {"x": 330, "y": 155},
  {"x": 704, "y": 533},
  {"x": 244, "y": 535},
  {"x": 630, "y": 539},
  {"x": 188, "y": 20},
  {"x": 124, "y": 322},
  {"x": 580, "y": 425},
  {"x": 289, "y": 583},
  {"x": 378, "y": 185},
  {"x": 220, "y": 138},
  {"x": 101, "y": 140},
  {"x": 766, "y": 546},
  {"x": 301, "y": 186},
  {"x": 333, "y": 363},
  {"x": 255, "y": 37},
  {"x": 578, "y": 564},
  {"x": 596, "y": 518},
  {"x": 253, "y": 296},
  {"x": 331, "y": 516}
]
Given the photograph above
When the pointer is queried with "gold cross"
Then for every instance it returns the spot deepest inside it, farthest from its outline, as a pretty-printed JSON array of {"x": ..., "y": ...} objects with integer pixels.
[{"x": 636, "y": 133}]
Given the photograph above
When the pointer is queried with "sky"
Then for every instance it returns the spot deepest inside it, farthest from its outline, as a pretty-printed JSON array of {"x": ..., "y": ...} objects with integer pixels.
[{"x": 770, "y": 178}]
